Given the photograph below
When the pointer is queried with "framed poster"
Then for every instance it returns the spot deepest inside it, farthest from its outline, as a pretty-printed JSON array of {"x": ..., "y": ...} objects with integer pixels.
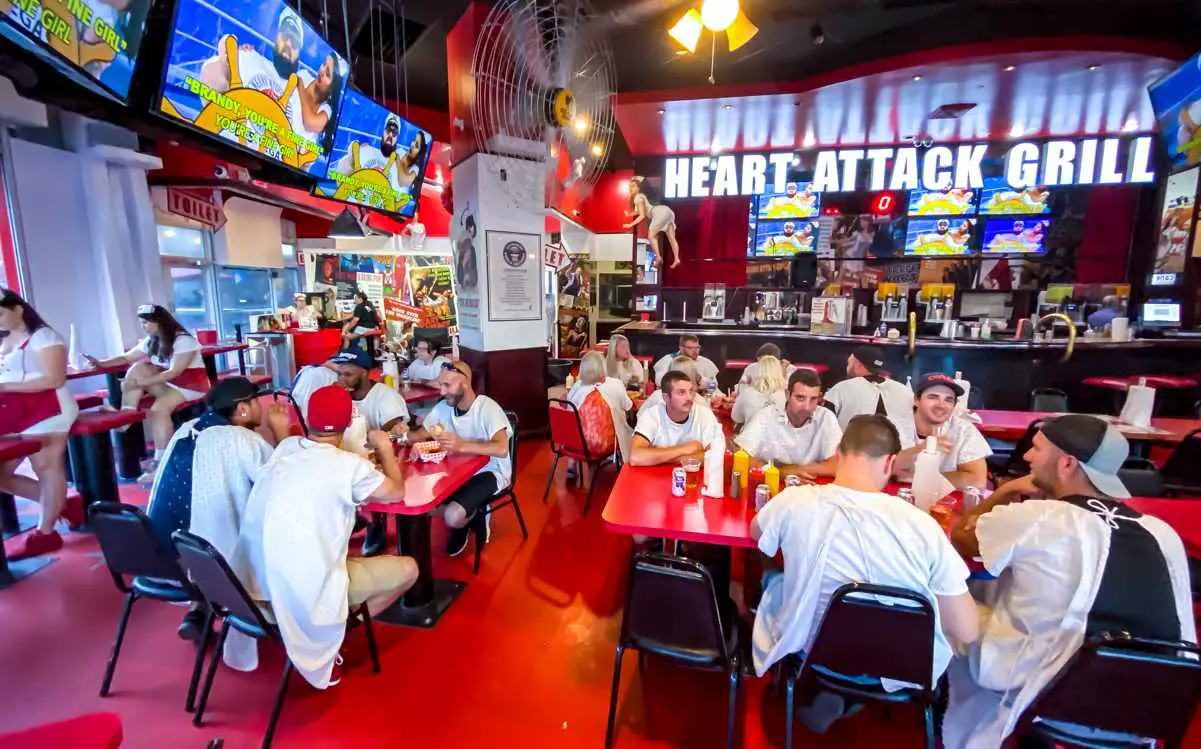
[{"x": 514, "y": 270}]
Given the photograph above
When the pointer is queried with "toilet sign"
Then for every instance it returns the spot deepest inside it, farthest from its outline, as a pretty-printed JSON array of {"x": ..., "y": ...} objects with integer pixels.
[
  {"x": 198, "y": 209},
  {"x": 555, "y": 257}
]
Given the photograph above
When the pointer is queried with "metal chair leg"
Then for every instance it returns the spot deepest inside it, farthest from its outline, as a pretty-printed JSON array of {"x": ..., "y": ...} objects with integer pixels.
[
  {"x": 609, "y": 733},
  {"x": 929, "y": 716},
  {"x": 198, "y": 666},
  {"x": 550, "y": 479},
  {"x": 198, "y": 716},
  {"x": 370, "y": 632},
  {"x": 112, "y": 658},
  {"x": 520, "y": 519},
  {"x": 279, "y": 705},
  {"x": 732, "y": 716},
  {"x": 789, "y": 689},
  {"x": 592, "y": 486}
]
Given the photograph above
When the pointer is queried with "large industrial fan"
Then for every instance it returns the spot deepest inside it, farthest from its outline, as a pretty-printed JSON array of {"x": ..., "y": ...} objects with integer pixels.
[{"x": 544, "y": 77}]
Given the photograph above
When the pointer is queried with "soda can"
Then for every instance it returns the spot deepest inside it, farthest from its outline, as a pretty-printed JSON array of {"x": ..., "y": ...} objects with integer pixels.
[
  {"x": 677, "y": 482},
  {"x": 792, "y": 480},
  {"x": 762, "y": 495},
  {"x": 906, "y": 494},
  {"x": 735, "y": 485}
]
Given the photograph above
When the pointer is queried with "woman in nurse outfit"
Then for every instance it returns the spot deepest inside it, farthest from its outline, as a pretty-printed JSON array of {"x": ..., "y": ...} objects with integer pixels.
[
  {"x": 167, "y": 368},
  {"x": 33, "y": 360},
  {"x": 660, "y": 219}
]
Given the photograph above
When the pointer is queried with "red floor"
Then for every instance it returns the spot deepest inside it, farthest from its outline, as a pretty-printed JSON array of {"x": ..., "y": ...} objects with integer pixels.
[{"x": 523, "y": 658}]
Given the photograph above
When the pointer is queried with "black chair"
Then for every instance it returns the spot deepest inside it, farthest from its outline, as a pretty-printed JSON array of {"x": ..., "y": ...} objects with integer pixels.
[
  {"x": 275, "y": 395},
  {"x": 975, "y": 399},
  {"x": 567, "y": 440},
  {"x": 1141, "y": 478},
  {"x": 133, "y": 549},
  {"x": 1048, "y": 400},
  {"x": 1181, "y": 472},
  {"x": 672, "y": 611},
  {"x": 1145, "y": 688},
  {"x": 507, "y": 496},
  {"x": 228, "y": 599},
  {"x": 863, "y": 636},
  {"x": 1014, "y": 464}
]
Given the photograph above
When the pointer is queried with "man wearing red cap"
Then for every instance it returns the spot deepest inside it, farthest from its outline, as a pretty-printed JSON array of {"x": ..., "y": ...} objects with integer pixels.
[{"x": 298, "y": 523}]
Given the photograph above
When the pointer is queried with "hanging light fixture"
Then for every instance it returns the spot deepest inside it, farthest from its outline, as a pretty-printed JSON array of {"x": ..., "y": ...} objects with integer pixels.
[
  {"x": 687, "y": 30},
  {"x": 740, "y": 31},
  {"x": 716, "y": 16}
]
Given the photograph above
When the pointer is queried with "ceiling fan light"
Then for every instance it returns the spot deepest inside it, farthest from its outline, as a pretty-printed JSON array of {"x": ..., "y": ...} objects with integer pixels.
[
  {"x": 741, "y": 31},
  {"x": 717, "y": 15},
  {"x": 687, "y": 30}
]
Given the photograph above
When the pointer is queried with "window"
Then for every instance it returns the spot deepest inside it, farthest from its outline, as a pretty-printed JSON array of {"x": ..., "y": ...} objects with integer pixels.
[
  {"x": 287, "y": 284},
  {"x": 241, "y": 294},
  {"x": 188, "y": 276},
  {"x": 177, "y": 241},
  {"x": 189, "y": 292}
]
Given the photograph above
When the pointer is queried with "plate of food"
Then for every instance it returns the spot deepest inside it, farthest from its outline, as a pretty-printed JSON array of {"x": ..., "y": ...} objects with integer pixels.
[{"x": 429, "y": 452}]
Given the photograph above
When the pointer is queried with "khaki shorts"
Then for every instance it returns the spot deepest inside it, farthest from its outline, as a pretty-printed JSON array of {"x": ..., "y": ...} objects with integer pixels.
[{"x": 373, "y": 576}]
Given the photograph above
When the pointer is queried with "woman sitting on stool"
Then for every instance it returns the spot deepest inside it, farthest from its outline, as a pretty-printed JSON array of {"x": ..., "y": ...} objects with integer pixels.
[{"x": 167, "y": 368}]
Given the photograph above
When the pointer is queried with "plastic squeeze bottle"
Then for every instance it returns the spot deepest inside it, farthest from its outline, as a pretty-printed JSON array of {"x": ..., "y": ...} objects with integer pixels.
[
  {"x": 771, "y": 477},
  {"x": 742, "y": 464}
]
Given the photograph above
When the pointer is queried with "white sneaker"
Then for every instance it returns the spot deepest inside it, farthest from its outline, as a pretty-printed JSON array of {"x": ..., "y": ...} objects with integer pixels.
[{"x": 149, "y": 473}]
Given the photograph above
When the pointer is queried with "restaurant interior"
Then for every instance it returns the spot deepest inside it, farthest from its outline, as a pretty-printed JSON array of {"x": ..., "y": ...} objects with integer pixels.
[{"x": 671, "y": 245}]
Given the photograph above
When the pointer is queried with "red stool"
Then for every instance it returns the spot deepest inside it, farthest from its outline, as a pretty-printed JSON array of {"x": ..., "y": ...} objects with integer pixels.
[
  {"x": 94, "y": 731},
  {"x": 90, "y": 400},
  {"x": 90, "y": 449},
  {"x": 1109, "y": 383},
  {"x": 738, "y": 363},
  {"x": 1166, "y": 382}
]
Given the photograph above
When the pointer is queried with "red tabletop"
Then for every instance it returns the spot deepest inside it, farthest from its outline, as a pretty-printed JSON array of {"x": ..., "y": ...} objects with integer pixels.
[
  {"x": 418, "y": 393},
  {"x": 1183, "y": 514},
  {"x": 1011, "y": 425},
  {"x": 641, "y": 503},
  {"x": 222, "y": 348},
  {"x": 79, "y": 374},
  {"x": 427, "y": 485},
  {"x": 738, "y": 363}
]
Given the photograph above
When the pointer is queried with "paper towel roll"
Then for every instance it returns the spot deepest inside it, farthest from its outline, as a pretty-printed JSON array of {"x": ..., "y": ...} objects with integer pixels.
[
  {"x": 929, "y": 485},
  {"x": 1119, "y": 329},
  {"x": 961, "y": 404},
  {"x": 1139, "y": 405},
  {"x": 714, "y": 473}
]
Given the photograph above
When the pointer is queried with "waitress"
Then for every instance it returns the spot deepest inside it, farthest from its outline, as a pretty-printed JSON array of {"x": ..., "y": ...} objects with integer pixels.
[
  {"x": 33, "y": 380},
  {"x": 364, "y": 319},
  {"x": 167, "y": 368}
]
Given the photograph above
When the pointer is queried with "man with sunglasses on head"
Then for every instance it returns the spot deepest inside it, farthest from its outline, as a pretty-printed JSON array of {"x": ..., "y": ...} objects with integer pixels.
[
  {"x": 1070, "y": 567},
  {"x": 469, "y": 423}
]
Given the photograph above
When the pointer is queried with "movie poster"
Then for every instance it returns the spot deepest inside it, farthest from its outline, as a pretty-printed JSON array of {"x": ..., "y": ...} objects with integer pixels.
[
  {"x": 1177, "y": 222},
  {"x": 574, "y": 332},
  {"x": 431, "y": 290},
  {"x": 255, "y": 74},
  {"x": 575, "y": 283},
  {"x": 378, "y": 159}
]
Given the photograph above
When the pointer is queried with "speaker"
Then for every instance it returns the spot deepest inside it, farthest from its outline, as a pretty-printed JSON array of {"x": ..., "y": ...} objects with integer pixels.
[{"x": 803, "y": 273}]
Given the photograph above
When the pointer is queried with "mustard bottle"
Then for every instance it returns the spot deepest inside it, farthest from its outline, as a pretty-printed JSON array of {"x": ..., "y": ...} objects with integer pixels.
[
  {"x": 771, "y": 477},
  {"x": 742, "y": 466}
]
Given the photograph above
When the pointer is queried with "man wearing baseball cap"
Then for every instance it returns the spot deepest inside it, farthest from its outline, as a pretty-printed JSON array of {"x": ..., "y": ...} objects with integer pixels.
[
  {"x": 1074, "y": 565},
  {"x": 469, "y": 423},
  {"x": 963, "y": 448},
  {"x": 869, "y": 390},
  {"x": 297, "y": 527}
]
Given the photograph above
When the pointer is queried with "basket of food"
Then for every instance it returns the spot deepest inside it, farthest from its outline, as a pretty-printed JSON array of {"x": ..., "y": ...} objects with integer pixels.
[{"x": 429, "y": 452}]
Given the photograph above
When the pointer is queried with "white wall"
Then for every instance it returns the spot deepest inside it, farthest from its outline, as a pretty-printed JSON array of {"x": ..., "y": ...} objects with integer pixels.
[
  {"x": 252, "y": 235},
  {"x": 18, "y": 110},
  {"x": 617, "y": 247}
]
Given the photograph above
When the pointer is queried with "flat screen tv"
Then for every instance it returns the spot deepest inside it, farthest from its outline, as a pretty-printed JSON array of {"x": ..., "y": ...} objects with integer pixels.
[
  {"x": 1017, "y": 236},
  {"x": 783, "y": 238},
  {"x": 797, "y": 201},
  {"x": 999, "y": 199},
  {"x": 1176, "y": 100},
  {"x": 927, "y": 237},
  {"x": 257, "y": 76},
  {"x": 378, "y": 158},
  {"x": 93, "y": 42},
  {"x": 953, "y": 202}
]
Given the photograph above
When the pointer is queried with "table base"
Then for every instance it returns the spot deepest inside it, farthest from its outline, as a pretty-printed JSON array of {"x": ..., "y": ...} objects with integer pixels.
[
  {"x": 424, "y": 615},
  {"x": 11, "y": 572},
  {"x": 10, "y": 519}
]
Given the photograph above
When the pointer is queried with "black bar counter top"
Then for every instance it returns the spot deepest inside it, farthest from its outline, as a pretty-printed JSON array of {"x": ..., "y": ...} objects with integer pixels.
[{"x": 1001, "y": 369}]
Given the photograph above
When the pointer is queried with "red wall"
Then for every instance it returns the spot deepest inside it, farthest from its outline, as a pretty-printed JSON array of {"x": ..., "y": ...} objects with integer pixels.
[
  {"x": 8, "y": 249},
  {"x": 604, "y": 209}
]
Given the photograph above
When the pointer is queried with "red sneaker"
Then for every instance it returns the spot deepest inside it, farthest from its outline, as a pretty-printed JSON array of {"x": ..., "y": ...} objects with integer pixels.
[
  {"x": 37, "y": 543},
  {"x": 73, "y": 512}
]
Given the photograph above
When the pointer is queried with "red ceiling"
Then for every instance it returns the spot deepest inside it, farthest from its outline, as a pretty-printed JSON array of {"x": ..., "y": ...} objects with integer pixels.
[{"x": 1048, "y": 93}]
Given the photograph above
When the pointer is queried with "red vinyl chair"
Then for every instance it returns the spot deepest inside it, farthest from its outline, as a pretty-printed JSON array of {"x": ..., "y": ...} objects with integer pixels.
[{"x": 567, "y": 440}]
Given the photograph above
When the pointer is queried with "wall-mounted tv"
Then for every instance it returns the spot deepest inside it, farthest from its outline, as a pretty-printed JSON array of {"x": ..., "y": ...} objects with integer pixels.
[
  {"x": 999, "y": 199},
  {"x": 1176, "y": 99},
  {"x": 378, "y": 158},
  {"x": 87, "y": 40},
  {"x": 256, "y": 75},
  {"x": 953, "y": 202},
  {"x": 783, "y": 238},
  {"x": 1018, "y": 236},
  {"x": 940, "y": 236},
  {"x": 798, "y": 200}
]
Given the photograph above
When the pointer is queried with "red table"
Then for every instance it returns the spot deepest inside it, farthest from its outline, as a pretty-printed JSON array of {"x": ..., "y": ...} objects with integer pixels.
[
  {"x": 641, "y": 503},
  {"x": 427, "y": 485},
  {"x": 418, "y": 393},
  {"x": 1011, "y": 425},
  {"x": 1183, "y": 514}
]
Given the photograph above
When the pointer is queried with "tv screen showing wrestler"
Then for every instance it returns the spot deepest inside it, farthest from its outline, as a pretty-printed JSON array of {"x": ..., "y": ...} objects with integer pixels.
[
  {"x": 783, "y": 238},
  {"x": 957, "y": 201},
  {"x": 799, "y": 200},
  {"x": 378, "y": 158},
  {"x": 999, "y": 199},
  {"x": 256, "y": 75},
  {"x": 88, "y": 40},
  {"x": 1176, "y": 99},
  {"x": 940, "y": 236},
  {"x": 1018, "y": 236}
]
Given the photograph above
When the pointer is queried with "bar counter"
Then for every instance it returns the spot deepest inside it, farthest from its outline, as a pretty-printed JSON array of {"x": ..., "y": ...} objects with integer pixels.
[{"x": 1002, "y": 369}]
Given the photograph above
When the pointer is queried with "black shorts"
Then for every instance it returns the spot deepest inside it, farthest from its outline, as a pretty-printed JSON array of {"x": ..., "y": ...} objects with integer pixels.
[{"x": 478, "y": 491}]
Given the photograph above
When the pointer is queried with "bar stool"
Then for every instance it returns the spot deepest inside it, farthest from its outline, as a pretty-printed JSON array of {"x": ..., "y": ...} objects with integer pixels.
[{"x": 91, "y": 453}]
